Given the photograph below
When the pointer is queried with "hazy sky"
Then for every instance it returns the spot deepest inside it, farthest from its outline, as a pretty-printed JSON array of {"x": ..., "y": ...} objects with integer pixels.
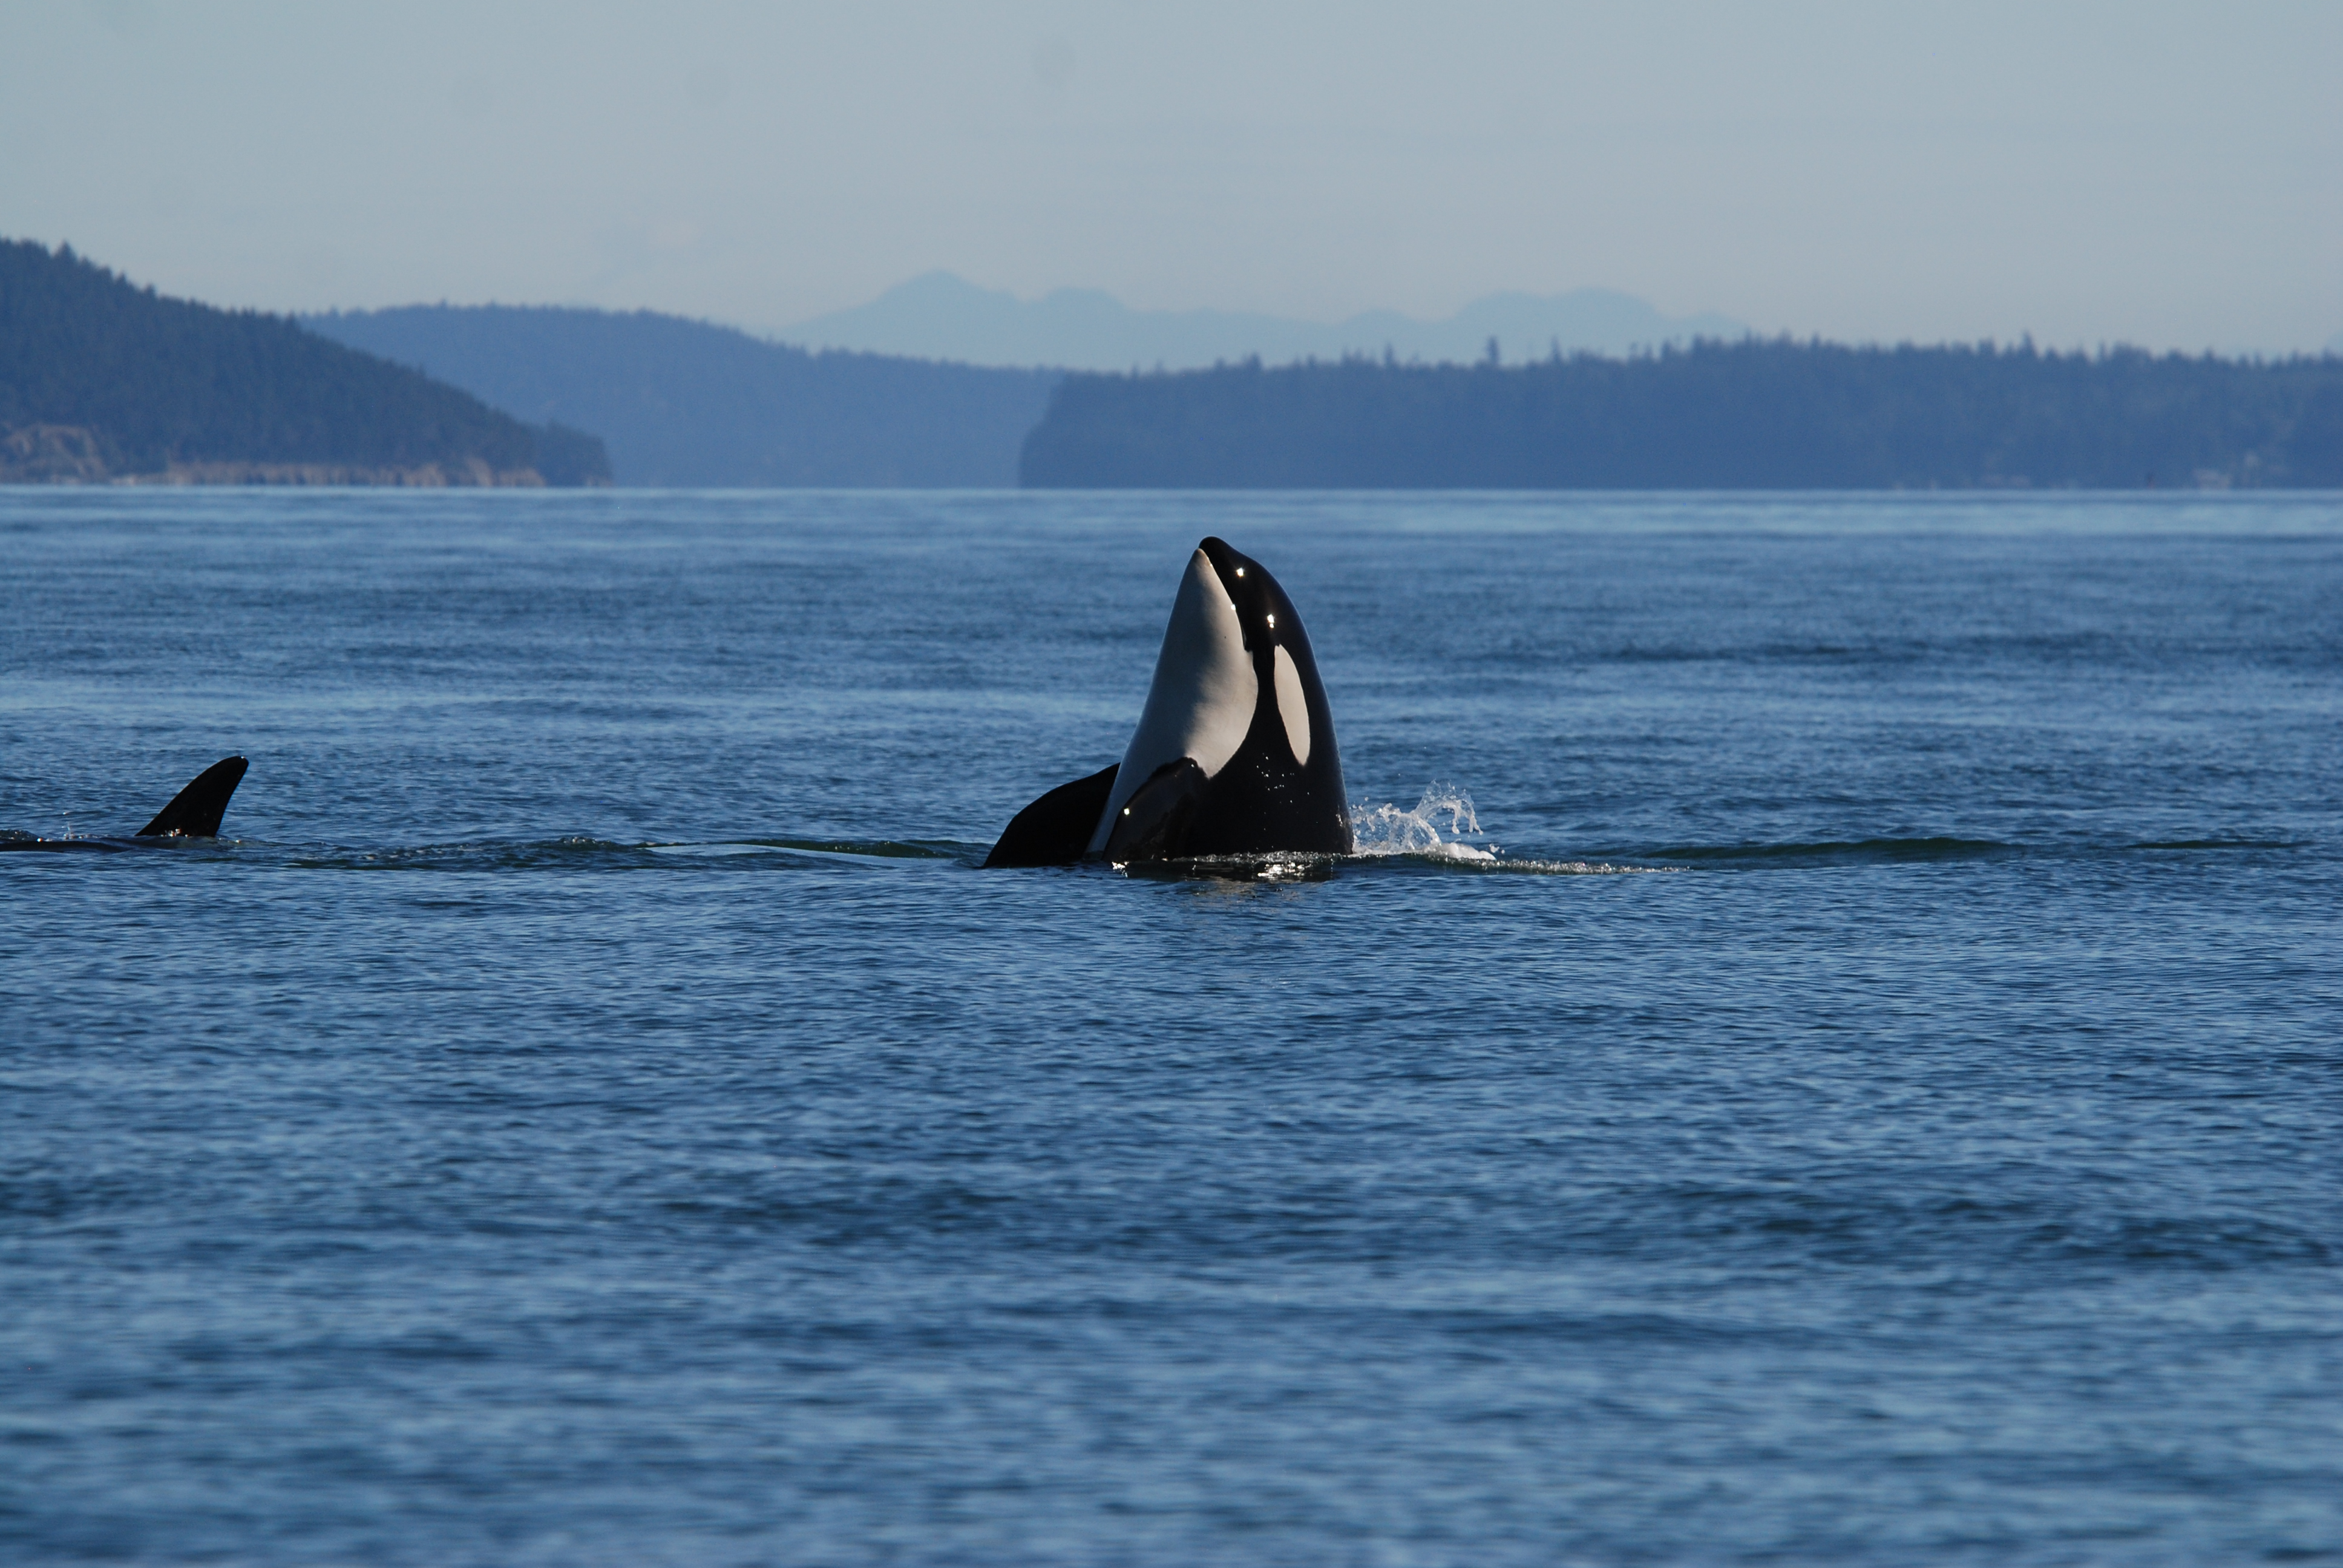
[{"x": 2163, "y": 173}]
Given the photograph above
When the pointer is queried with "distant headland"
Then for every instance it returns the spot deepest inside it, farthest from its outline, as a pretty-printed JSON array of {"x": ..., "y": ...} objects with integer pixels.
[
  {"x": 102, "y": 381},
  {"x": 1749, "y": 415}
]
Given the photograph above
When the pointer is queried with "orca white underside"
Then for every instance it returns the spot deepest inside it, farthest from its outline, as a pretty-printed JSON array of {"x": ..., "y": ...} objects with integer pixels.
[{"x": 1201, "y": 703}]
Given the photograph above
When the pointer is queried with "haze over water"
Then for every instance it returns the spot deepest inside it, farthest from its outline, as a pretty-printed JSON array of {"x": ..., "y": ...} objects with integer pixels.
[{"x": 592, "y": 1109}]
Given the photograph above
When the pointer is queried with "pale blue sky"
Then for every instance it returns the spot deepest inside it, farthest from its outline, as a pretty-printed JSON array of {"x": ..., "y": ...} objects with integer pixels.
[{"x": 2163, "y": 173}]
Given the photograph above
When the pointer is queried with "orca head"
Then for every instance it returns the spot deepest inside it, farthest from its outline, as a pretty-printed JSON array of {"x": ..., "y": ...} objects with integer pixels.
[
  {"x": 1283, "y": 663},
  {"x": 1235, "y": 683}
]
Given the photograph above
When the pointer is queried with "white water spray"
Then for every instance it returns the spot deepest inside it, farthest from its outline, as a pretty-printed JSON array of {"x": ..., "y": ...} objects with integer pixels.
[{"x": 1419, "y": 830}]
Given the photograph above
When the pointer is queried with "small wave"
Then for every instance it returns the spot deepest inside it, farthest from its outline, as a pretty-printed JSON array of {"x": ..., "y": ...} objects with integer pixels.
[
  {"x": 1384, "y": 830},
  {"x": 585, "y": 853},
  {"x": 1568, "y": 869},
  {"x": 877, "y": 848},
  {"x": 478, "y": 855},
  {"x": 1847, "y": 851}
]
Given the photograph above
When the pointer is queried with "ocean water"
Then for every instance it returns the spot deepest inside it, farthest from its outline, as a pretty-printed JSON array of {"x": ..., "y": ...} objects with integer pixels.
[{"x": 1837, "y": 1057}]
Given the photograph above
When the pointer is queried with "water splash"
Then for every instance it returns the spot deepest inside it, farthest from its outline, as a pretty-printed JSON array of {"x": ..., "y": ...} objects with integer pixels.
[{"x": 1389, "y": 831}]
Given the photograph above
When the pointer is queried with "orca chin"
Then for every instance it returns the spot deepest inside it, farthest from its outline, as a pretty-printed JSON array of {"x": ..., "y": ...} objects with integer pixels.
[
  {"x": 1235, "y": 754},
  {"x": 195, "y": 812}
]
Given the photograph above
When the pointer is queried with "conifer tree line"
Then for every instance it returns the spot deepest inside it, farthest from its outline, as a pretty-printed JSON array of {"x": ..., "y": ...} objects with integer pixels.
[{"x": 1753, "y": 415}]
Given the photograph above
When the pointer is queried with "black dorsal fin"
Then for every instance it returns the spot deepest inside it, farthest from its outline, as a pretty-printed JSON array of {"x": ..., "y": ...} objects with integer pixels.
[
  {"x": 1055, "y": 829},
  {"x": 195, "y": 811}
]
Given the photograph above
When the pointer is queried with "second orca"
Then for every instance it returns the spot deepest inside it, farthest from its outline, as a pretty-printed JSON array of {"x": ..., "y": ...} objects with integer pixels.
[
  {"x": 195, "y": 812},
  {"x": 1235, "y": 754}
]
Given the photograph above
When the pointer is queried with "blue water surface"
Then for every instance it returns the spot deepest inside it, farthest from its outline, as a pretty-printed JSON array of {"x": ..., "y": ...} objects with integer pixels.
[{"x": 1861, "y": 1082}]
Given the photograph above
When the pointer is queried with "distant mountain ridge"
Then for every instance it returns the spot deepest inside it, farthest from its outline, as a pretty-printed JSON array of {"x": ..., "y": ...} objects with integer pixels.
[
  {"x": 940, "y": 316},
  {"x": 686, "y": 403},
  {"x": 102, "y": 380}
]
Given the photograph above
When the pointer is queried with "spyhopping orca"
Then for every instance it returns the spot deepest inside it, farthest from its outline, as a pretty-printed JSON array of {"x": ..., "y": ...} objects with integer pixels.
[
  {"x": 1235, "y": 754},
  {"x": 194, "y": 812}
]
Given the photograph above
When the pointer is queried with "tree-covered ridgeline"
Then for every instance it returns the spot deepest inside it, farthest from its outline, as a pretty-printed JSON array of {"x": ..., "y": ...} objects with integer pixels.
[
  {"x": 102, "y": 379},
  {"x": 1751, "y": 414}
]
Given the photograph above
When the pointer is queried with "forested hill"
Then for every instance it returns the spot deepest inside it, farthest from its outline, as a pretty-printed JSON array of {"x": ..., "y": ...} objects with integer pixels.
[
  {"x": 1752, "y": 414},
  {"x": 100, "y": 379},
  {"x": 684, "y": 402}
]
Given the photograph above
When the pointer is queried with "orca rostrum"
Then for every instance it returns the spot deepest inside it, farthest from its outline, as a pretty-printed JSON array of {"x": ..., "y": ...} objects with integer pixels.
[
  {"x": 1235, "y": 754},
  {"x": 195, "y": 812}
]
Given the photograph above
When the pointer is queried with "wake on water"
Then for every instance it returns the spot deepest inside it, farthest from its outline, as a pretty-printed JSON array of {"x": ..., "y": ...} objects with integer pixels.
[{"x": 1442, "y": 829}]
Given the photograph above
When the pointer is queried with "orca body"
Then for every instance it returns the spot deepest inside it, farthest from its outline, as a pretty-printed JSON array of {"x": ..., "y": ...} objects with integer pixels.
[
  {"x": 1235, "y": 754},
  {"x": 195, "y": 812}
]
